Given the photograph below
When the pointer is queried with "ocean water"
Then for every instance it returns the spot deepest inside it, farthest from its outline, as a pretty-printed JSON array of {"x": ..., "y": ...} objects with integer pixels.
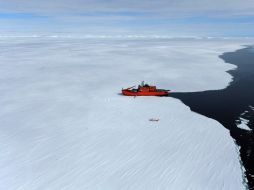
[{"x": 232, "y": 106}]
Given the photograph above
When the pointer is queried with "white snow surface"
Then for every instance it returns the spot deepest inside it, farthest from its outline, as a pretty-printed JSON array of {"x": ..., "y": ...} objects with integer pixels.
[{"x": 63, "y": 124}]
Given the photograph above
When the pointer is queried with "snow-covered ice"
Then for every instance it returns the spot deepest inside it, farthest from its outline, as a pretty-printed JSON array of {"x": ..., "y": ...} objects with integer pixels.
[
  {"x": 243, "y": 124},
  {"x": 63, "y": 124}
]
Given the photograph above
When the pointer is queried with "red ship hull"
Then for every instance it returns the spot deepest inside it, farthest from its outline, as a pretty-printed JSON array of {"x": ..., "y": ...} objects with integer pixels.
[{"x": 128, "y": 92}]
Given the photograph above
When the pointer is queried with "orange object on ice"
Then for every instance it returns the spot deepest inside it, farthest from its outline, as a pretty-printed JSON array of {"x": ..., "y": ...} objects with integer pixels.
[
  {"x": 144, "y": 90},
  {"x": 152, "y": 119}
]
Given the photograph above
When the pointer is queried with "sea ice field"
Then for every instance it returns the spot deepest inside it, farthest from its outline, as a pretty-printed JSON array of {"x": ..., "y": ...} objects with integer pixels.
[{"x": 64, "y": 125}]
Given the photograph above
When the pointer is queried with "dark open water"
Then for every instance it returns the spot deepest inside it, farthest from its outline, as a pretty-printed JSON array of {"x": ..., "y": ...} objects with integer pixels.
[{"x": 229, "y": 104}]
